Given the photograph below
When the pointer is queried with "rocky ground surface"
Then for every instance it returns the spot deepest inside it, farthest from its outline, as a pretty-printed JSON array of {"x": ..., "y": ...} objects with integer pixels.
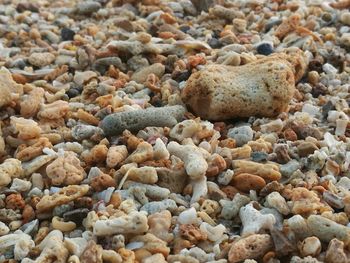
[{"x": 174, "y": 131}]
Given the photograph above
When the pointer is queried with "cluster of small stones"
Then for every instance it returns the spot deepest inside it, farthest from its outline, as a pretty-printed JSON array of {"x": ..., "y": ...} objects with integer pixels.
[{"x": 191, "y": 131}]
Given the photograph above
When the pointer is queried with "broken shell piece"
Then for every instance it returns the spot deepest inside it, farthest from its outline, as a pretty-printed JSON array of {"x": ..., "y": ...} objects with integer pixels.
[
  {"x": 275, "y": 200},
  {"x": 143, "y": 152},
  {"x": 133, "y": 223},
  {"x": 214, "y": 233},
  {"x": 160, "y": 151},
  {"x": 185, "y": 129},
  {"x": 253, "y": 221},
  {"x": 230, "y": 209},
  {"x": 192, "y": 156},
  {"x": 188, "y": 216},
  {"x": 33, "y": 165},
  {"x": 299, "y": 226},
  {"x": 22, "y": 243},
  {"x": 76, "y": 245},
  {"x": 158, "y": 206}
]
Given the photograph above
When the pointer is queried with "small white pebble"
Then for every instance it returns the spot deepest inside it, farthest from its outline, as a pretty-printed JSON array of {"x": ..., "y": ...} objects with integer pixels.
[{"x": 4, "y": 229}]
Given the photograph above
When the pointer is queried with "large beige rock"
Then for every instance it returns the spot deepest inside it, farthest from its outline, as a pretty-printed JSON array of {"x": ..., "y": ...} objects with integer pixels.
[
  {"x": 261, "y": 88},
  {"x": 10, "y": 90},
  {"x": 250, "y": 247}
]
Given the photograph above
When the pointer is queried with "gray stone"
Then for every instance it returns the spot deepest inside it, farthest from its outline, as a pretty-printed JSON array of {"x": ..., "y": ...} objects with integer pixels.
[
  {"x": 289, "y": 168},
  {"x": 326, "y": 229},
  {"x": 87, "y": 7},
  {"x": 242, "y": 135},
  {"x": 134, "y": 121}
]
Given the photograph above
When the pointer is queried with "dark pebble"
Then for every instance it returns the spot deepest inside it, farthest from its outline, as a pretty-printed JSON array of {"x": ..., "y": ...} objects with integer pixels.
[
  {"x": 21, "y": 7},
  {"x": 214, "y": 43},
  {"x": 315, "y": 65},
  {"x": 76, "y": 215},
  {"x": 265, "y": 49},
  {"x": 202, "y": 5},
  {"x": 259, "y": 156},
  {"x": 184, "y": 28},
  {"x": 326, "y": 108},
  {"x": 67, "y": 34},
  {"x": 183, "y": 76},
  {"x": 319, "y": 89},
  {"x": 73, "y": 92}
]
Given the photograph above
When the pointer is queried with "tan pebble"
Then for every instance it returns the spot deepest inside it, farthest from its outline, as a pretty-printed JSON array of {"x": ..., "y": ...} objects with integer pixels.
[
  {"x": 101, "y": 182},
  {"x": 9, "y": 169},
  {"x": 127, "y": 255},
  {"x": 250, "y": 247},
  {"x": 65, "y": 170},
  {"x": 211, "y": 207},
  {"x": 306, "y": 148},
  {"x": 246, "y": 182},
  {"x": 115, "y": 200},
  {"x": 345, "y": 18},
  {"x": 41, "y": 59},
  {"x": 192, "y": 233},
  {"x": 267, "y": 171},
  {"x": 216, "y": 164},
  {"x": 143, "y": 152},
  {"x": 97, "y": 154},
  {"x": 311, "y": 246},
  {"x": 145, "y": 174},
  {"x": 111, "y": 256},
  {"x": 313, "y": 77},
  {"x": 92, "y": 253},
  {"x": 180, "y": 243},
  {"x": 153, "y": 244},
  {"x": 345, "y": 39},
  {"x": 59, "y": 224},
  {"x": 159, "y": 225},
  {"x": 10, "y": 90},
  {"x": 115, "y": 155},
  {"x": 87, "y": 117},
  {"x": 241, "y": 152},
  {"x": 142, "y": 253},
  {"x": 28, "y": 214},
  {"x": 64, "y": 196},
  {"x": 15, "y": 201},
  {"x": 335, "y": 252},
  {"x": 159, "y": 258},
  {"x": 26, "y": 153},
  {"x": 141, "y": 75},
  {"x": 26, "y": 128}
]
